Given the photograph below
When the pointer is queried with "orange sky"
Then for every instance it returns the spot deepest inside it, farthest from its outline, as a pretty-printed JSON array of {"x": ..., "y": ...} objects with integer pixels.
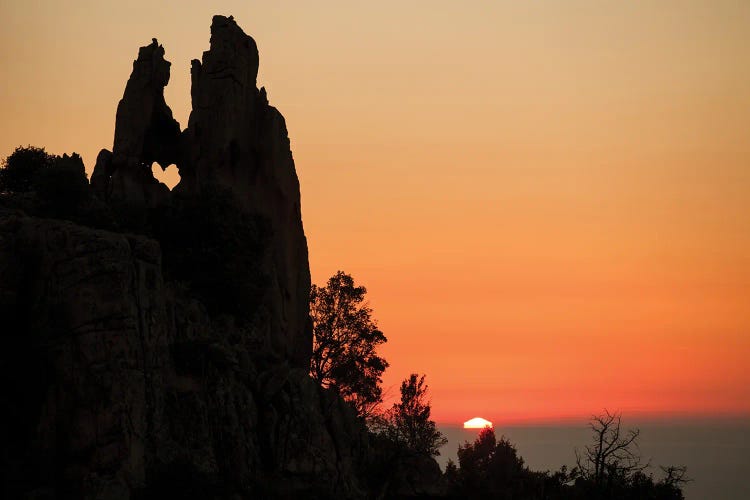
[{"x": 549, "y": 202}]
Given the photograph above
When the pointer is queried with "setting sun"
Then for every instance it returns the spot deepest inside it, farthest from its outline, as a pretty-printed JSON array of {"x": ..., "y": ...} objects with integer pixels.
[{"x": 477, "y": 423}]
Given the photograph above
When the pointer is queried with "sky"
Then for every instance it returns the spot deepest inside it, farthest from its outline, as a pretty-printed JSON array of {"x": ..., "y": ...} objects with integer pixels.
[{"x": 548, "y": 201}]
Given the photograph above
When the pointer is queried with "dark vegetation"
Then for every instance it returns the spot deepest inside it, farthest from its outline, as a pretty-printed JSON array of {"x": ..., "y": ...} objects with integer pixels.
[
  {"x": 408, "y": 422},
  {"x": 610, "y": 469},
  {"x": 22, "y": 168},
  {"x": 344, "y": 359},
  {"x": 46, "y": 185},
  {"x": 345, "y": 339},
  {"x": 213, "y": 251}
]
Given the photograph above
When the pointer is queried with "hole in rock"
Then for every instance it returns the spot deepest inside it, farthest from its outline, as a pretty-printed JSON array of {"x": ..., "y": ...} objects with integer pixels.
[{"x": 169, "y": 176}]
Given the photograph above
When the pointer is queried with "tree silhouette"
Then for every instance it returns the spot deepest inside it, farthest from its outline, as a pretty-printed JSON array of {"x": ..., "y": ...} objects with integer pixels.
[
  {"x": 345, "y": 338},
  {"x": 20, "y": 168},
  {"x": 613, "y": 454},
  {"x": 408, "y": 422},
  {"x": 612, "y": 466},
  {"x": 45, "y": 184},
  {"x": 490, "y": 467}
]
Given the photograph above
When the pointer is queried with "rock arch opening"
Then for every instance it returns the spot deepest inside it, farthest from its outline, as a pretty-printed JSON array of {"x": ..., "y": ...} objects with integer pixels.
[{"x": 168, "y": 175}]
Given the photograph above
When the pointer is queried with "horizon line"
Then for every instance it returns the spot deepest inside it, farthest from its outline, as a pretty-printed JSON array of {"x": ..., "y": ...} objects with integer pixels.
[{"x": 663, "y": 417}]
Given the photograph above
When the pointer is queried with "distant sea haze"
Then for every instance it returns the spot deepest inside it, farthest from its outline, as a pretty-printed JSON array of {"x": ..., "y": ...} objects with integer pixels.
[{"x": 715, "y": 451}]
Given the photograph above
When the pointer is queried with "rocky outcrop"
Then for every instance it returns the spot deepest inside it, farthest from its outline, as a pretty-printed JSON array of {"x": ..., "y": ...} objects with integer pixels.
[
  {"x": 173, "y": 364},
  {"x": 236, "y": 140},
  {"x": 145, "y": 132},
  {"x": 86, "y": 341},
  {"x": 117, "y": 385}
]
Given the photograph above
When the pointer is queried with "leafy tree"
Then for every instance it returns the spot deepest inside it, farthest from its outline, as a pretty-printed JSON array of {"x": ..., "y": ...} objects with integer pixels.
[
  {"x": 345, "y": 338},
  {"x": 404, "y": 442},
  {"x": 49, "y": 185},
  {"x": 20, "y": 169},
  {"x": 451, "y": 472},
  {"x": 489, "y": 466},
  {"x": 408, "y": 422}
]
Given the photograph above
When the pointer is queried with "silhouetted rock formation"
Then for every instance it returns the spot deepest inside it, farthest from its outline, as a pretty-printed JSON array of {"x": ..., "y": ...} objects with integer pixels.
[
  {"x": 118, "y": 383},
  {"x": 236, "y": 140},
  {"x": 86, "y": 345},
  {"x": 145, "y": 132},
  {"x": 121, "y": 375}
]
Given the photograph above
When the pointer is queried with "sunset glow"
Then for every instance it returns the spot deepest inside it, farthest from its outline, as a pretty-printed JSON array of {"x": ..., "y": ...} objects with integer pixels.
[
  {"x": 477, "y": 423},
  {"x": 547, "y": 201}
]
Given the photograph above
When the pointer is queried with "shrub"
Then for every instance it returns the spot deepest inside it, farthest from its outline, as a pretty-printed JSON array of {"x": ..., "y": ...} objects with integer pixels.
[{"x": 19, "y": 170}]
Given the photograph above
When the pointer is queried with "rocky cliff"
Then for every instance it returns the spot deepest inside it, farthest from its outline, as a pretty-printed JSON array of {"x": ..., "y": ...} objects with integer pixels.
[
  {"x": 236, "y": 140},
  {"x": 168, "y": 358}
]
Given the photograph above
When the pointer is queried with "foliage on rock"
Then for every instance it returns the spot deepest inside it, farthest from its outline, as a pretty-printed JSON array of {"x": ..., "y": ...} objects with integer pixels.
[
  {"x": 345, "y": 342},
  {"x": 20, "y": 169},
  {"x": 409, "y": 422}
]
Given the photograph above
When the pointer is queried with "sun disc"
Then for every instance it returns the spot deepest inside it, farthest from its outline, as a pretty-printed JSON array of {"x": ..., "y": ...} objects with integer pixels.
[{"x": 477, "y": 423}]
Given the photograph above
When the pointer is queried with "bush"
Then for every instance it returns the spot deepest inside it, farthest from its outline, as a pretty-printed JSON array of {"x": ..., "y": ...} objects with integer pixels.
[
  {"x": 20, "y": 169},
  {"x": 44, "y": 184}
]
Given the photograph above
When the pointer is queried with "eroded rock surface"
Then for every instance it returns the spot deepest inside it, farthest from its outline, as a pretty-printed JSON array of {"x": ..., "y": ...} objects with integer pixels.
[
  {"x": 85, "y": 328},
  {"x": 117, "y": 385}
]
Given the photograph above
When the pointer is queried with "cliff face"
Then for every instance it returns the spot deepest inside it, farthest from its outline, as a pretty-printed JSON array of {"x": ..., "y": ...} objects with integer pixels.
[
  {"x": 121, "y": 386},
  {"x": 236, "y": 140},
  {"x": 87, "y": 328},
  {"x": 133, "y": 365}
]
